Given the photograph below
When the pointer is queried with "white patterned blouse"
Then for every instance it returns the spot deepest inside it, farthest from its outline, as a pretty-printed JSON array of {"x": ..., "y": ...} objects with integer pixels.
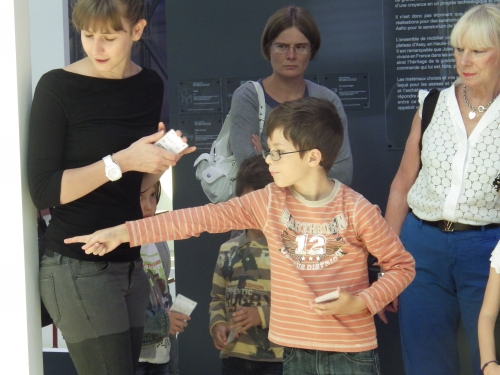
[{"x": 456, "y": 179}]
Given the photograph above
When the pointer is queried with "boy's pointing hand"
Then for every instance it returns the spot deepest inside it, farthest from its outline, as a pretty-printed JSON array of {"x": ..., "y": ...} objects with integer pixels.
[{"x": 103, "y": 241}]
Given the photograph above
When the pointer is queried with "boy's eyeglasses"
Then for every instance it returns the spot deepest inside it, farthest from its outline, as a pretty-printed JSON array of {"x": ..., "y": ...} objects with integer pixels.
[
  {"x": 300, "y": 49},
  {"x": 276, "y": 155}
]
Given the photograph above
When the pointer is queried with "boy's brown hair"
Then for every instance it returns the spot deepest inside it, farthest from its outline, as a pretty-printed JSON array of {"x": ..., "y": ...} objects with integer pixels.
[
  {"x": 309, "y": 123},
  {"x": 253, "y": 173}
]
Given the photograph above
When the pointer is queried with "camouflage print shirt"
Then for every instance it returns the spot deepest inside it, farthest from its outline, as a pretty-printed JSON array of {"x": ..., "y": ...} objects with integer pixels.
[{"x": 242, "y": 278}]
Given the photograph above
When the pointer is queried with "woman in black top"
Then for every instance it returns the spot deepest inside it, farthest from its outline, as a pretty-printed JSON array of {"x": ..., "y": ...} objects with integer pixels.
[{"x": 92, "y": 129}]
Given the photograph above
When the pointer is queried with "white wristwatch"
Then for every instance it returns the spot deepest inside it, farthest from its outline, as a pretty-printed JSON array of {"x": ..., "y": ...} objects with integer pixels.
[{"x": 113, "y": 171}]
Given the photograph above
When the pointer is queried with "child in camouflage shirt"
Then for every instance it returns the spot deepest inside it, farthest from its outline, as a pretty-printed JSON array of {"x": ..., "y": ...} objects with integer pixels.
[{"x": 241, "y": 292}]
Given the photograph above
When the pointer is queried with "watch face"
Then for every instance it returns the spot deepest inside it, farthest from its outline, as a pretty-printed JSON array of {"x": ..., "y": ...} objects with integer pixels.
[{"x": 114, "y": 173}]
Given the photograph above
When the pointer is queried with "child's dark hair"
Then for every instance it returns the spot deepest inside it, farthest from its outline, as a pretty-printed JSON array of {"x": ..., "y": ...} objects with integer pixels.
[
  {"x": 309, "y": 123},
  {"x": 253, "y": 173},
  {"x": 158, "y": 191}
]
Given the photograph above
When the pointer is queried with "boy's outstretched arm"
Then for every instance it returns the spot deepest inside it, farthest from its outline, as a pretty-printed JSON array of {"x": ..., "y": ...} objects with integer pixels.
[
  {"x": 237, "y": 213},
  {"x": 103, "y": 241}
]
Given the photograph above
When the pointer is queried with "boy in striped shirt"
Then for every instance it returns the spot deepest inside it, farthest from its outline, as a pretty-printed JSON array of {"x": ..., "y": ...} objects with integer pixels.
[{"x": 319, "y": 234}]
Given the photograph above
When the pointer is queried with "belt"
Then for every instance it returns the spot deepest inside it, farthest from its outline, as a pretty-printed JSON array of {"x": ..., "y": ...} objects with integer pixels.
[{"x": 450, "y": 226}]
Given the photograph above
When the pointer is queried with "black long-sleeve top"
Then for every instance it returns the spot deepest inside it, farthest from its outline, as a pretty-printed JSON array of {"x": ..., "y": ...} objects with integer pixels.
[{"x": 75, "y": 121}]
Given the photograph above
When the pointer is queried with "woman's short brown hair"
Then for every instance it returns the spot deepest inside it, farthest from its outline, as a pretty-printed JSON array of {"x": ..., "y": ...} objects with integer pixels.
[
  {"x": 103, "y": 14},
  {"x": 285, "y": 18}
]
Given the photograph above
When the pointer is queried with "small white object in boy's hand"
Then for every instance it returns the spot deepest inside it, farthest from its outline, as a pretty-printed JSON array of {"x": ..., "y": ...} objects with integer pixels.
[
  {"x": 172, "y": 142},
  {"x": 332, "y": 296}
]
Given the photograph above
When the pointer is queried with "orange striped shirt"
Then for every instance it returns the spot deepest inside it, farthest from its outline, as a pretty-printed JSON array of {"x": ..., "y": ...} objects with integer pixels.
[{"x": 314, "y": 247}]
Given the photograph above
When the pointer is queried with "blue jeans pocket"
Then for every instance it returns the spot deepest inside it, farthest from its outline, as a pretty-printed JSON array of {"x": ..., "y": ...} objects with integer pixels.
[
  {"x": 288, "y": 354},
  {"x": 365, "y": 362}
]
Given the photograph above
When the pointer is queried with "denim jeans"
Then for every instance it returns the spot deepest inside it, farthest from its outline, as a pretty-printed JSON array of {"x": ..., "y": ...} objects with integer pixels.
[
  {"x": 240, "y": 366},
  {"x": 146, "y": 368},
  {"x": 99, "y": 308},
  {"x": 317, "y": 362},
  {"x": 452, "y": 271}
]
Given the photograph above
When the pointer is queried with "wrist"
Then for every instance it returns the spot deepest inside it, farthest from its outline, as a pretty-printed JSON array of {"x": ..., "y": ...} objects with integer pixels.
[
  {"x": 123, "y": 233},
  {"x": 486, "y": 364},
  {"x": 121, "y": 159},
  {"x": 360, "y": 304},
  {"x": 215, "y": 326}
]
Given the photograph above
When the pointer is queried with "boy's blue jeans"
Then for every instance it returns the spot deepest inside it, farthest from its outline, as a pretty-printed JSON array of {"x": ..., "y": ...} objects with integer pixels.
[
  {"x": 452, "y": 271},
  {"x": 240, "y": 366},
  {"x": 318, "y": 362}
]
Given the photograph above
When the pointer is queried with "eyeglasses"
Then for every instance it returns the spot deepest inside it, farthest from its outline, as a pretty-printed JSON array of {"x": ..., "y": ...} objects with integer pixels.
[
  {"x": 300, "y": 49},
  {"x": 276, "y": 155}
]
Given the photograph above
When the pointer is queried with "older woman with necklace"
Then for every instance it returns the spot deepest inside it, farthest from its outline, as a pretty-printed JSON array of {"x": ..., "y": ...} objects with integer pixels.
[{"x": 445, "y": 206}]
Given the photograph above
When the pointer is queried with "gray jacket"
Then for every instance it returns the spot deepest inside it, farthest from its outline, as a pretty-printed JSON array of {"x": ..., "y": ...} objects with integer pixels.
[{"x": 245, "y": 122}]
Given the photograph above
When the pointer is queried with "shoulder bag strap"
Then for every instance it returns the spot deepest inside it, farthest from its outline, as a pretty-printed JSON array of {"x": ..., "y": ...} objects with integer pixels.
[
  {"x": 429, "y": 105},
  {"x": 262, "y": 105}
]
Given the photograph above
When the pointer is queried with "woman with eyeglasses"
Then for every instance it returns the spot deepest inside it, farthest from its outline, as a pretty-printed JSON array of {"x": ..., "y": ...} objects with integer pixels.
[{"x": 290, "y": 40}]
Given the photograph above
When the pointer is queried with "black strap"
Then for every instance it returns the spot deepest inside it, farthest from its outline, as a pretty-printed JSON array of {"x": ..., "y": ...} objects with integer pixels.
[
  {"x": 42, "y": 227},
  {"x": 429, "y": 105}
]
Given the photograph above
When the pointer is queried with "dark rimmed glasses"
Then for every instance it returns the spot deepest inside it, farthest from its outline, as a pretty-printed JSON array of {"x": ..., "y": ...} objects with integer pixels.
[{"x": 276, "y": 155}]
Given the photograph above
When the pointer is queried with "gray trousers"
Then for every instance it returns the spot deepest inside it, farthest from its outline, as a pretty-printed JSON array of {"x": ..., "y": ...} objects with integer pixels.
[{"x": 99, "y": 308}]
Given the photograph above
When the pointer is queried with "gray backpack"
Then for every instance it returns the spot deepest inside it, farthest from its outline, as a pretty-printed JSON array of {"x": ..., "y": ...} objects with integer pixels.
[{"x": 217, "y": 170}]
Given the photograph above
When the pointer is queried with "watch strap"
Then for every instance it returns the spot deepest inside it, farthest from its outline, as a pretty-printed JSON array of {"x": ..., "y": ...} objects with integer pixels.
[
  {"x": 112, "y": 168},
  {"x": 109, "y": 161}
]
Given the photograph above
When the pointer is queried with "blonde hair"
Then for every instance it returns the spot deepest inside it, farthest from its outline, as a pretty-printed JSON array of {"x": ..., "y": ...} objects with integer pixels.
[
  {"x": 478, "y": 28},
  {"x": 105, "y": 14}
]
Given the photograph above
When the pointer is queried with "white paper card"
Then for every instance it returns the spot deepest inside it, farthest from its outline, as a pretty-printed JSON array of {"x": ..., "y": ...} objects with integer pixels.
[
  {"x": 183, "y": 305},
  {"x": 230, "y": 337},
  {"x": 171, "y": 142},
  {"x": 328, "y": 297}
]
